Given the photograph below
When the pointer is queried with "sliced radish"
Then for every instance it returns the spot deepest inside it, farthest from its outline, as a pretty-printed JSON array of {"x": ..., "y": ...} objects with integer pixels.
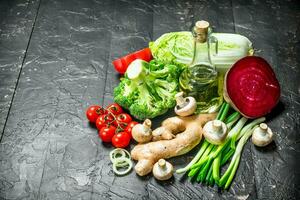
[{"x": 251, "y": 87}]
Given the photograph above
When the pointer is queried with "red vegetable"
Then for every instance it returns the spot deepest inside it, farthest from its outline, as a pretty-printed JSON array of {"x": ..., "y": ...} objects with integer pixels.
[
  {"x": 124, "y": 118},
  {"x": 103, "y": 120},
  {"x": 114, "y": 108},
  {"x": 251, "y": 87},
  {"x": 107, "y": 132},
  {"x": 121, "y": 140},
  {"x": 129, "y": 127},
  {"x": 93, "y": 112},
  {"x": 122, "y": 64}
]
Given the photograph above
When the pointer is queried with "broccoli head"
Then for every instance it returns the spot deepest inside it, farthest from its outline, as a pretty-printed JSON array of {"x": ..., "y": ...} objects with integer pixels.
[{"x": 148, "y": 89}]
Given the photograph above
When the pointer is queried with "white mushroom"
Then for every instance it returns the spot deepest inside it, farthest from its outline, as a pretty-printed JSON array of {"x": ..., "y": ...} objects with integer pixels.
[
  {"x": 185, "y": 106},
  {"x": 142, "y": 133},
  {"x": 262, "y": 135},
  {"x": 215, "y": 131},
  {"x": 162, "y": 170}
]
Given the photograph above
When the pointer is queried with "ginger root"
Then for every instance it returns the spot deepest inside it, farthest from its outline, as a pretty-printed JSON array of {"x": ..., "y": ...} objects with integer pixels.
[{"x": 189, "y": 134}]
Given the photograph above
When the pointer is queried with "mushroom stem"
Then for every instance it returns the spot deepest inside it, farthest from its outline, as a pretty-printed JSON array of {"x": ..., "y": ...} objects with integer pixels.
[
  {"x": 147, "y": 125},
  {"x": 262, "y": 135},
  {"x": 180, "y": 100},
  {"x": 264, "y": 128},
  {"x": 185, "y": 106},
  {"x": 162, "y": 163},
  {"x": 217, "y": 126}
]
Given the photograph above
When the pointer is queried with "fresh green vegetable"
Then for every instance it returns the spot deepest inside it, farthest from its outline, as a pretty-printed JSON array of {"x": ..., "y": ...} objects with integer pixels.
[
  {"x": 178, "y": 48},
  {"x": 175, "y": 48},
  {"x": 231, "y": 170},
  {"x": 148, "y": 89},
  {"x": 206, "y": 165},
  {"x": 195, "y": 159}
]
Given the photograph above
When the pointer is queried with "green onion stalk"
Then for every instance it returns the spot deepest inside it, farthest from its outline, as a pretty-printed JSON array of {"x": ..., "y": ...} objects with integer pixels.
[{"x": 206, "y": 165}]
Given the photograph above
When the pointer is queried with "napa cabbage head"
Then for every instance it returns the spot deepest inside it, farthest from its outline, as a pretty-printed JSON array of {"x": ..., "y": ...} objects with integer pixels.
[
  {"x": 178, "y": 48},
  {"x": 173, "y": 48}
]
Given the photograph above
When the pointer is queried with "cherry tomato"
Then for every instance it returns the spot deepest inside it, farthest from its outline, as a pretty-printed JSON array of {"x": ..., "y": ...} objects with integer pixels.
[
  {"x": 103, "y": 120},
  {"x": 106, "y": 133},
  {"x": 129, "y": 127},
  {"x": 124, "y": 118},
  {"x": 121, "y": 140},
  {"x": 93, "y": 112},
  {"x": 115, "y": 109}
]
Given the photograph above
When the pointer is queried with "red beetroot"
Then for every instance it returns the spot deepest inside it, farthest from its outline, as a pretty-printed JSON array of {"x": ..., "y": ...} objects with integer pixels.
[{"x": 251, "y": 87}]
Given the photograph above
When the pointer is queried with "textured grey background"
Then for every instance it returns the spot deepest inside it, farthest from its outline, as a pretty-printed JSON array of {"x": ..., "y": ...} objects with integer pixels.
[{"x": 55, "y": 60}]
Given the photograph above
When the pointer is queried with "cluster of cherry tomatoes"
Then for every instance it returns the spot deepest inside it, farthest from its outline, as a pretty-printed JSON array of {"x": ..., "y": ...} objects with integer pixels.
[{"x": 112, "y": 123}]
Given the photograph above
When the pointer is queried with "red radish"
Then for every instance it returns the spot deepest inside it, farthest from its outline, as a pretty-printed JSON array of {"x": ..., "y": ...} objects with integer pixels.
[{"x": 251, "y": 87}]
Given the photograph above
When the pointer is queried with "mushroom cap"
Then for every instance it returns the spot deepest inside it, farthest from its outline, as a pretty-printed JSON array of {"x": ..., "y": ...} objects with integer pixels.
[
  {"x": 215, "y": 131},
  {"x": 141, "y": 134},
  {"x": 262, "y": 135},
  {"x": 188, "y": 108},
  {"x": 162, "y": 170}
]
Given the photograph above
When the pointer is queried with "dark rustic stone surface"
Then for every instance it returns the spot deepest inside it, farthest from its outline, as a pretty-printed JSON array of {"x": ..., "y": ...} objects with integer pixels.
[
  {"x": 48, "y": 149},
  {"x": 16, "y": 22}
]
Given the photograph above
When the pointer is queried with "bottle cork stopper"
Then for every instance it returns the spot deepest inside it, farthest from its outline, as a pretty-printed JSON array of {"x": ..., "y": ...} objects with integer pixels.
[{"x": 201, "y": 31}]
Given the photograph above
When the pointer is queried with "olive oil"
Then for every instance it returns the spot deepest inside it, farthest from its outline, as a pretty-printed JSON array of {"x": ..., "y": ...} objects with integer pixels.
[
  {"x": 201, "y": 79},
  {"x": 205, "y": 85}
]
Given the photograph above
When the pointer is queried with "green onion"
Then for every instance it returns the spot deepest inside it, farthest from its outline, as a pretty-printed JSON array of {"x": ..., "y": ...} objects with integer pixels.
[
  {"x": 221, "y": 110},
  {"x": 216, "y": 168},
  {"x": 204, "y": 156},
  {"x": 244, "y": 135},
  {"x": 232, "y": 117},
  {"x": 195, "y": 159},
  {"x": 224, "y": 112},
  {"x": 206, "y": 165}
]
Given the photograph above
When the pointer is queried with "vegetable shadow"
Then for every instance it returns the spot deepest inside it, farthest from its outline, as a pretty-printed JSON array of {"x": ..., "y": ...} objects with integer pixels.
[
  {"x": 269, "y": 148},
  {"x": 92, "y": 125},
  {"x": 279, "y": 108},
  {"x": 166, "y": 182}
]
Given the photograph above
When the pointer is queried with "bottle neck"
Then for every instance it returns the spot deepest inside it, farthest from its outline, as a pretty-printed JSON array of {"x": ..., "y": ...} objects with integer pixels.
[{"x": 202, "y": 49}]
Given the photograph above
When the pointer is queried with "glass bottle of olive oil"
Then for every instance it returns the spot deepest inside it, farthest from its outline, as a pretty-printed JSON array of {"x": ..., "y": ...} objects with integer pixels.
[{"x": 201, "y": 79}]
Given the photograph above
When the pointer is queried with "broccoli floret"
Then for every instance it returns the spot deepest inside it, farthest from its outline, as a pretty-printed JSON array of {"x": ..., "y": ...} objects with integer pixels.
[
  {"x": 143, "y": 107},
  {"x": 167, "y": 91},
  {"x": 150, "y": 92},
  {"x": 125, "y": 92}
]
